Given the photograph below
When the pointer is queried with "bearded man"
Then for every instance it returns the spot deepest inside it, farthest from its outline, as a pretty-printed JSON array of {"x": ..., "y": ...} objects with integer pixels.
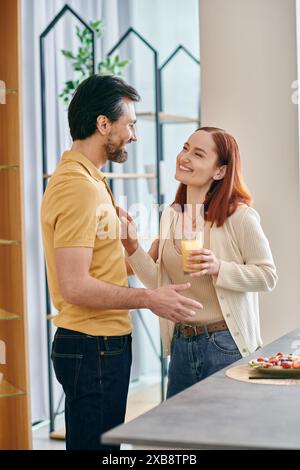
[{"x": 86, "y": 267}]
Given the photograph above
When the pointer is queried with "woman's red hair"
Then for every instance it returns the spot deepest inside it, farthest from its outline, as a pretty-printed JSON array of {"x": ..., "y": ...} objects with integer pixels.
[{"x": 224, "y": 195}]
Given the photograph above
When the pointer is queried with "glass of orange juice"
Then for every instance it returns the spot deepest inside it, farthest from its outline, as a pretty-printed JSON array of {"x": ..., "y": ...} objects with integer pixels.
[{"x": 193, "y": 242}]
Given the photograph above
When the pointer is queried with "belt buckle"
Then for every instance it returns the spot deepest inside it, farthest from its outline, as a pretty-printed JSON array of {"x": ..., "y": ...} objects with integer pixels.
[{"x": 186, "y": 329}]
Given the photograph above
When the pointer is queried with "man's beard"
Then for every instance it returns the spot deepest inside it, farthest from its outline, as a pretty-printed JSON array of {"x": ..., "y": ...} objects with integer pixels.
[{"x": 115, "y": 153}]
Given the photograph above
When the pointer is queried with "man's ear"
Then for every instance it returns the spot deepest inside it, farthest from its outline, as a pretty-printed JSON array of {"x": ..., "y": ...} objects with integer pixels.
[
  {"x": 103, "y": 125},
  {"x": 220, "y": 173}
]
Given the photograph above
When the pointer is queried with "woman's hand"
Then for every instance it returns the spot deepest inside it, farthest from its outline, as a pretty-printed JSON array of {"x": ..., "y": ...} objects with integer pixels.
[
  {"x": 204, "y": 260},
  {"x": 153, "y": 250},
  {"x": 128, "y": 231}
]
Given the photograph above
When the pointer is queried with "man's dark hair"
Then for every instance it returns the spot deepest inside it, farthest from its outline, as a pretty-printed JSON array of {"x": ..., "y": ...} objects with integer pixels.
[{"x": 95, "y": 96}]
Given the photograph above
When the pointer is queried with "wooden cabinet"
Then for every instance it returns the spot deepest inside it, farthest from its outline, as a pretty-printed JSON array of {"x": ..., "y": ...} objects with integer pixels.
[{"x": 15, "y": 426}]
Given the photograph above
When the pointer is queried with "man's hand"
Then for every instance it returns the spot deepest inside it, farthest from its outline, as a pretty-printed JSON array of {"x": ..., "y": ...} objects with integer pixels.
[{"x": 167, "y": 302}]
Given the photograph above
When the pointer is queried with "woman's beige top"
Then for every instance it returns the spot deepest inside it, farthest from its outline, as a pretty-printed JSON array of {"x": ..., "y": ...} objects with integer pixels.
[
  {"x": 246, "y": 268},
  {"x": 202, "y": 289}
]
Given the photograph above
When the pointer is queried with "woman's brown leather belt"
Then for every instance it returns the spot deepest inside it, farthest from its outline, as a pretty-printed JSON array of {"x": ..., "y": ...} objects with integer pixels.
[{"x": 193, "y": 330}]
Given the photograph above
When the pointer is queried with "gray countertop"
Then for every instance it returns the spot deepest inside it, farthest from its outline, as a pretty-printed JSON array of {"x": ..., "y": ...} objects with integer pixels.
[{"x": 221, "y": 413}]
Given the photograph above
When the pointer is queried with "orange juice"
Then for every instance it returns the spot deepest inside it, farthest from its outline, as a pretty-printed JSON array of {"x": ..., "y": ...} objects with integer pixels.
[{"x": 186, "y": 247}]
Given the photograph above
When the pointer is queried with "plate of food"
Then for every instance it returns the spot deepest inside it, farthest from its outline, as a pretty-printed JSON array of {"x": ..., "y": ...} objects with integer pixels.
[{"x": 281, "y": 365}]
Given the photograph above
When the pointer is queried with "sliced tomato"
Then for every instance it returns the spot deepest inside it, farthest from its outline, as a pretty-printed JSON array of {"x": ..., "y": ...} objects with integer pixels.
[
  {"x": 296, "y": 364},
  {"x": 286, "y": 365}
]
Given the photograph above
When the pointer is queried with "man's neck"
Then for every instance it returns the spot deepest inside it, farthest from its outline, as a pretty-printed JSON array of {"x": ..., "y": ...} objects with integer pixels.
[{"x": 91, "y": 151}]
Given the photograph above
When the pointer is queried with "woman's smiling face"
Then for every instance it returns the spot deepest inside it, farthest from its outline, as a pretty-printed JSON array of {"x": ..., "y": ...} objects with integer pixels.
[{"x": 196, "y": 164}]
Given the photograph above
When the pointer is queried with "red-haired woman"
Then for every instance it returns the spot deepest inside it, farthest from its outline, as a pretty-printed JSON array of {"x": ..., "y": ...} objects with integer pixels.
[{"x": 235, "y": 264}]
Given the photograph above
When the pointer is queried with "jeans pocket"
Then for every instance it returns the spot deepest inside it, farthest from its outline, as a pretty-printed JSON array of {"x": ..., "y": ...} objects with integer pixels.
[
  {"x": 224, "y": 343},
  {"x": 67, "y": 355},
  {"x": 114, "y": 345}
]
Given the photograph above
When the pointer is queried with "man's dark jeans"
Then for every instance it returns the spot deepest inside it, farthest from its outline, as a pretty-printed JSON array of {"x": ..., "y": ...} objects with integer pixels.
[{"x": 94, "y": 372}]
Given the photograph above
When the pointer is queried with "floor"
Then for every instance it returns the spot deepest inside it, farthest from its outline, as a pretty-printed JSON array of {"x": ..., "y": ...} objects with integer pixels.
[{"x": 142, "y": 397}]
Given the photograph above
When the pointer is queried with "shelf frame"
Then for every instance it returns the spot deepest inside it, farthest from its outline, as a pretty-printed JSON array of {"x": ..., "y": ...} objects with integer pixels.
[
  {"x": 5, "y": 315},
  {"x": 9, "y": 167},
  {"x": 15, "y": 406},
  {"x": 9, "y": 242},
  {"x": 7, "y": 390}
]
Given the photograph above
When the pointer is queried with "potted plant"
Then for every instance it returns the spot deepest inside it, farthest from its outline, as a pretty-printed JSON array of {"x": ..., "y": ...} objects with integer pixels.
[{"x": 81, "y": 61}]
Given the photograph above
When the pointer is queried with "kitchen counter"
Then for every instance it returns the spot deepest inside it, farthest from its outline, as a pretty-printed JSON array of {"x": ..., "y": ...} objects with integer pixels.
[{"x": 221, "y": 413}]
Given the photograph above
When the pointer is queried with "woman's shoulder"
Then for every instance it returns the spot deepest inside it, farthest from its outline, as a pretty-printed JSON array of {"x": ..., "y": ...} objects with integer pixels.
[{"x": 242, "y": 214}]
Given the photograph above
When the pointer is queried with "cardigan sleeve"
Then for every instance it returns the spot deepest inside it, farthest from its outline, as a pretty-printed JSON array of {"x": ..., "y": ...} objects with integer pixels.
[
  {"x": 258, "y": 273},
  {"x": 144, "y": 267}
]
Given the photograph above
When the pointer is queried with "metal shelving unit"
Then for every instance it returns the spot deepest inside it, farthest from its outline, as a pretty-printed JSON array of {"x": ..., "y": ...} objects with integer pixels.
[{"x": 157, "y": 116}]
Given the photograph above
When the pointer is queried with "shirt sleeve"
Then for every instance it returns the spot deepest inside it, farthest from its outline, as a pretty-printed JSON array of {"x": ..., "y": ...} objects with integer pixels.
[
  {"x": 77, "y": 209},
  {"x": 144, "y": 267},
  {"x": 258, "y": 273}
]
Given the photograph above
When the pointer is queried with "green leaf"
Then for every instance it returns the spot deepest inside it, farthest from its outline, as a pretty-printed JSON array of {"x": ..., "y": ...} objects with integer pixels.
[
  {"x": 67, "y": 54},
  {"x": 78, "y": 68},
  {"x": 98, "y": 27},
  {"x": 85, "y": 31},
  {"x": 88, "y": 39},
  {"x": 79, "y": 33},
  {"x": 70, "y": 84},
  {"x": 95, "y": 24},
  {"x": 124, "y": 63}
]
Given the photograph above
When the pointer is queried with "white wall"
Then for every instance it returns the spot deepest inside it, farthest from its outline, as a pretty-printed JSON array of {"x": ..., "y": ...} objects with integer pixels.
[{"x": 248, "y": 63}]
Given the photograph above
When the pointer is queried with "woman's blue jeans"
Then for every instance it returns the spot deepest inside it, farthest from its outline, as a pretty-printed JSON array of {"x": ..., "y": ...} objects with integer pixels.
[{"x": 196, "y": 357}]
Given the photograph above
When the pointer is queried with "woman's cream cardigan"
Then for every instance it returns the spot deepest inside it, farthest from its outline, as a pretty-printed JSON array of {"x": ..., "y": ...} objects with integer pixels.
[{"x": 247, "y": 267}]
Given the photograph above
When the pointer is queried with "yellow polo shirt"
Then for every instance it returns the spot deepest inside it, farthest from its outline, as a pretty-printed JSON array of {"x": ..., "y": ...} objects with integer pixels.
[{"x": 78, "y": 210}]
